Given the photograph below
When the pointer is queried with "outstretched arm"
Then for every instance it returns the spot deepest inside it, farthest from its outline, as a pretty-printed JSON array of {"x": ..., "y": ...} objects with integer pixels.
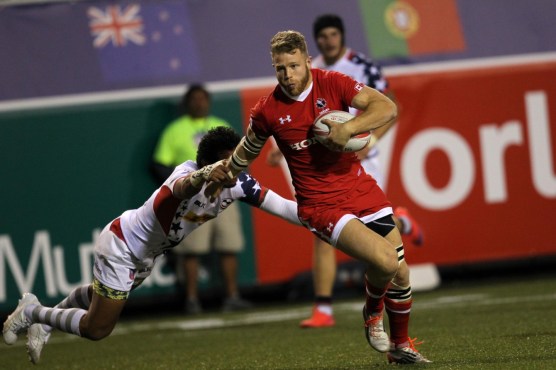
[
  {"x": 281, "y": 207},
  {"x": 188, "y": 186},
  {"x": 247, "y": 150}
]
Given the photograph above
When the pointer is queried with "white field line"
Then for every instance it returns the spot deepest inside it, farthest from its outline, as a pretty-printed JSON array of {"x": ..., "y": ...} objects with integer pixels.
[{"x": 251, "y": 318}]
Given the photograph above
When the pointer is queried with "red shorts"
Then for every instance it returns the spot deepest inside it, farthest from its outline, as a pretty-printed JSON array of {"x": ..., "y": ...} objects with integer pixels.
[{"x": 365, "y": 201}]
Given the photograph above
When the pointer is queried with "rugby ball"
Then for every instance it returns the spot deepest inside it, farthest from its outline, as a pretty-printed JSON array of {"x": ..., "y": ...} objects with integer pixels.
[{"x": 320, "y": 130}]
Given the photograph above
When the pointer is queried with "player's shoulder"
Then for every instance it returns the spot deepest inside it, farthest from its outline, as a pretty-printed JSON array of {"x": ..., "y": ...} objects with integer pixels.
[
  {"x": 186, "y": 167},
  {"x": 318, "y": 62},
  {"x": 266, "y": 102},
  {"x": 356, "y": 57},
  {"x": 181, "y": 170}
]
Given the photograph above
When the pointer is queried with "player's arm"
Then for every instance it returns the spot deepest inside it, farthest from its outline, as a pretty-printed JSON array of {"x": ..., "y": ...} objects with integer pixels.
[
  {"x": 187, "y": 186},
  {"x": 381, "y": 131},
  {"x": 281, "y": 207},
  {"x": 246, "y": 151},
  {"x": 272, "y": 203},
  {"x": 377, "y": 134},
  {"x": 376, "y": 110}
]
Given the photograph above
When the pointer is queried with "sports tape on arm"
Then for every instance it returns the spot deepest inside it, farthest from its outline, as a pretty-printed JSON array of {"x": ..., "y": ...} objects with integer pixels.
[
  {"x": 199, "y": 177},
  {"x": 247, "y": 150}
]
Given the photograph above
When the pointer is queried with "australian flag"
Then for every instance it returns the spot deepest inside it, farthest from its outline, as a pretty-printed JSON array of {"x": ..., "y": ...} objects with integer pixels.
[{"x": 143, "y": 41}]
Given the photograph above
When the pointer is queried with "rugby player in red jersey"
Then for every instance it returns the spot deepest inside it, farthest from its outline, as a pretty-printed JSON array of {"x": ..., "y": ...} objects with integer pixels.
[{"x": 337, "y": 200}]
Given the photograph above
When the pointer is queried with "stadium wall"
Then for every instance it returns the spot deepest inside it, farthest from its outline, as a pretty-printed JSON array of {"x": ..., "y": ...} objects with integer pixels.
[{"x": 472, "y": 156}]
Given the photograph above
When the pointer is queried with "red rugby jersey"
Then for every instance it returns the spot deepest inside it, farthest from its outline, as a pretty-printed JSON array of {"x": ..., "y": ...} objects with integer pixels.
[{"x": 318, "y": 174}]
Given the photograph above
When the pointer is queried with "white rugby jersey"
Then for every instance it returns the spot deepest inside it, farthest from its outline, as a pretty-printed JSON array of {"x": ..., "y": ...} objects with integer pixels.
[
  {"x": 357, "y": 67},
  {"x": 164, "y": 220},
  {"x": 362, "y": 70}
]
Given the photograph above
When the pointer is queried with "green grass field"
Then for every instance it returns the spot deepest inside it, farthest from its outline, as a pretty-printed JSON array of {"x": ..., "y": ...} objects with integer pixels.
[{"x": 499, "y": 325}]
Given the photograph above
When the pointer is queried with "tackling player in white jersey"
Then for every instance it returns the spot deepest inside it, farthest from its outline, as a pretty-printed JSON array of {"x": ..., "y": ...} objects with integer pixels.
[{"x": 129, "y": 246}]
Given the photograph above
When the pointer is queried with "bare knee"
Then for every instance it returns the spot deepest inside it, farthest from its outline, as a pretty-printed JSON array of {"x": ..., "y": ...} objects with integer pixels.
[
  {"x": 402, "y": 276},
  {"x": 390, "y": 264}
]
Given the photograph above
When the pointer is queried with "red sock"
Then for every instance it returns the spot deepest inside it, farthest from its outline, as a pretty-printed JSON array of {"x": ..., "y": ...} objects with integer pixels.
[
  {"x": 374, "y": 302},
  {"x": 398, "y": 319}
]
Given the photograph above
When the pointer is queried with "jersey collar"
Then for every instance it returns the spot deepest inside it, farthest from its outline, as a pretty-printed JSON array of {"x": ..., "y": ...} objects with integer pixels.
[{"x": 300, "y": 97}]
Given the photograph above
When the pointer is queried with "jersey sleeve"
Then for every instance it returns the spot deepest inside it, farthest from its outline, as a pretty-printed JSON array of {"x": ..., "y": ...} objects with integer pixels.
[
  {"x": 258, "y": 122},
  {"x": 348, "y": 87},
  {"x": 370, "y": 73},
  {"x": 180, "y": 171},
  {"x": 374, "y": 77},
  {"x": 252, "y": 193},
  {"x": 249, "y": 190}
]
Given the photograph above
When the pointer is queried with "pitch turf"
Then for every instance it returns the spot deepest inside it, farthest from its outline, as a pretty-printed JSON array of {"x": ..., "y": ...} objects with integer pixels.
[{"x": 500, "y": 325}]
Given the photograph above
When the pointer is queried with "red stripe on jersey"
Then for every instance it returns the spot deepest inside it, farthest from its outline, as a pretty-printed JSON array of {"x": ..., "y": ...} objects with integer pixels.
[
  {"x": 116, "y": 228},
  {"x": 165, "y": 206}
]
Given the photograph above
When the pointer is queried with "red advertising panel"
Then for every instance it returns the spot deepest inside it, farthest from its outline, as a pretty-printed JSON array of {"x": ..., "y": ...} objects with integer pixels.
[{"x": 472, "y": 157}]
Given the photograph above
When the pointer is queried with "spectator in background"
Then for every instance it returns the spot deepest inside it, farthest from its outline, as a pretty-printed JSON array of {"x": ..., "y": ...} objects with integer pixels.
[{"x": 177, "y": 144}]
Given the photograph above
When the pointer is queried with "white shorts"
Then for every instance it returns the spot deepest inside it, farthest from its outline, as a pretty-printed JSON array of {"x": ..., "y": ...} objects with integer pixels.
[
  {"x": 115, "y": 268},
  {"x": 222, "y": 233}
]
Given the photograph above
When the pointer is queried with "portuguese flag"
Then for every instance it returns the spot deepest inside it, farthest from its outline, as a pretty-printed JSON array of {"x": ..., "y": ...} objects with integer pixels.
[{"x": 411, "y": 27}]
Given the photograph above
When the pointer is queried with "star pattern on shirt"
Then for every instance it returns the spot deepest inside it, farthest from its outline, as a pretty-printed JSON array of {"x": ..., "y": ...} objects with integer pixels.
[
  {"x": 249, "y": 185},
  {"x": 176, "y": 226}
]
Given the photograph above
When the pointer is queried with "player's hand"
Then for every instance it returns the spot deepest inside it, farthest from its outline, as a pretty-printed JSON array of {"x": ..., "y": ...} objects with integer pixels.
[
  {"x": 362, "y": 154},
  {"x": 338, "y": 136},
  {"x": 220, "y": 173},
  {"x": 218, "y": 177}
]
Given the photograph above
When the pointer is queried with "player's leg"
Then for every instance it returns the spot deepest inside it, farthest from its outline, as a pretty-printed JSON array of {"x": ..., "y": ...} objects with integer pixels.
[
  {"x": 363, "y": 244},
  {"x": 95, "y": 324},
  {"x": 324, "y": 274},
  {"x": 39, "y": 334},
  {"x": 398, "y": 302},
  {"x": 103, "y": 313},
  {"x": 379, "y": 253}
]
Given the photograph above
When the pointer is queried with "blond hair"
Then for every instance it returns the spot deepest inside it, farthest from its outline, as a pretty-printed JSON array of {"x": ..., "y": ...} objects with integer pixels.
[{"x": 288, "y": 42}]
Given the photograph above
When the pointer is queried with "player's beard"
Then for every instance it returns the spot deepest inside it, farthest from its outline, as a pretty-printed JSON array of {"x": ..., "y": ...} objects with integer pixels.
[{"x": 299, "y": 87}]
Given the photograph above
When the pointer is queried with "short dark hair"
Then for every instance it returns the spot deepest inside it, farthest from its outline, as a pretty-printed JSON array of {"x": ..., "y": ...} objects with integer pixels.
[
  {"x": 213, "y": 145},
  {"x": 327, "y": 20},
  {"x": 186, "y": 97}
]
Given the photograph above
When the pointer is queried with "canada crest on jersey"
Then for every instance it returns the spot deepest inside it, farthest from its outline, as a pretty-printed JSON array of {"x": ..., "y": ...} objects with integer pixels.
[{"x": 321, "y": 103}]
